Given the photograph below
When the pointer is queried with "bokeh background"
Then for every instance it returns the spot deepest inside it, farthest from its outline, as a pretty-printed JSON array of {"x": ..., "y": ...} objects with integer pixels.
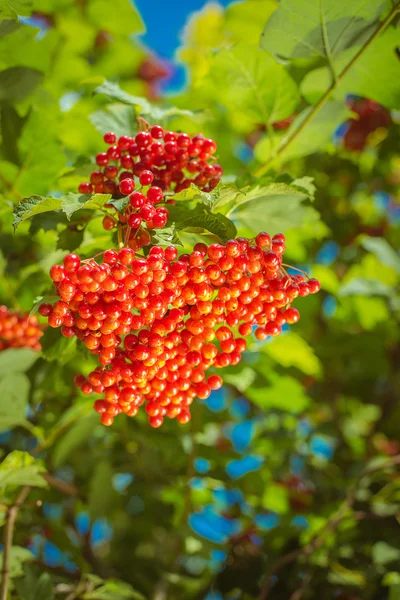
[{"x": 287, "y": 455}]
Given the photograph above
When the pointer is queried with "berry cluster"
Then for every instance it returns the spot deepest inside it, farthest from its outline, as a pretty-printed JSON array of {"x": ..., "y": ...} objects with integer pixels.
[
  {"x": 168, "y": 162},
  {"x": 371, "y": 116},
  {"x": 19, "y": 330},
  {"x": 158, "y": 324}
]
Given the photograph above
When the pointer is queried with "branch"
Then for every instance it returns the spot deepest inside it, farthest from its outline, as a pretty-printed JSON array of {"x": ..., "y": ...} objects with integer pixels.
[
  {"x": 65, "y": 488},
  {"x": 322, "y": 101},
  {"x": 330, "y": 526},
  {"x": 10, "y": 519}
]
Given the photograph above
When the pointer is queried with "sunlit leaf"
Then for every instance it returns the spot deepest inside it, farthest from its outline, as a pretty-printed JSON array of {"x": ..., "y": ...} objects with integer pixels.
[
  {"x": 248, "y": 79},
  {"x": 20, "y": 468},
  {"x": 306, "y": 28},
  {"x": 14, "y": 392},
  {"x": 119, "y": 118},
  {"x": 291, "y": 350},
  {"x": 361, "y": 79},
  {"x": 34, "y": 205},
  {"x": 73, "y": 202}
]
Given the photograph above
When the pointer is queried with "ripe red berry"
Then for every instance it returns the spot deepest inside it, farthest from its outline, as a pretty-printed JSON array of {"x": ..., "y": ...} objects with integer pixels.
[
  {"x": 157, "y": 132},
  {"x": 110, "y": 138},
  {"x": 146, "y": 177},
  {"x": 154, "y": 194},
  {"x": 108, "y": 223},
  {"x": 85, "y": 188},
  {"x": 126, "y": 186}
]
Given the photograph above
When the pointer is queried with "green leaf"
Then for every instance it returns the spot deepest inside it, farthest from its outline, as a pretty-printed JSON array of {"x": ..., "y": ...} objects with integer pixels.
[
  {"x": 14, "y": 392},
  {"x": 101, "y": 492},
  {"x": 340, "y": 575},
  {"x": 155, "y": 113},
  {"x": 200, "y": 220},
  {"x": 394, "y": 593},
  {"x": 248, "y": 80},
  {"x": 114, "y": 589},
  {"x": 123, "y": 19},
  {"x": 194, "y": 193},
  {"x": 34, "y": 205},
  {"x": 361, "y": 79},
  {"x": 242, "y": 378},
  {"x": 42, "y": 162},
  {"x": 20, "y": 468},
  {"x": 47, "y": 221},
  {"x": 11, "y": 126},
  {"x": 360, "y": 286},
  {"x": 44, "y": 588},
  {"x": 291, "y": 350},
  {"x": 114, "y": 92},
  {"x": 70, "y": 239},
  {"x": 272, "y": 207},
  {"x": 17, "y": 359},
  {"x": 56, "y": 347},
  {"x": 392, "y": 578},
  {"x": 284, "y": 393},
  {"x": 18, "y": 556},
  {"x": 17, "y": 7},
  {"x": 383, "y": 553},
  {"x": 382, "y": 250},
  {"x": 77, "y": 436},
  {"x": 120, "y": 204},
  {"x": 119, "y": 118},
  {"x": 309, "y": 28},
  {"x": 166, "y": 236},
  {"x": 243, "y": 22},
  {"x": 73, "y": 202},
  {"x": 276, "y": 498},
  {"x": 16, "y": 83},
  {"x": 231, "y": 198},
  {"x": 316, "y": 134}
]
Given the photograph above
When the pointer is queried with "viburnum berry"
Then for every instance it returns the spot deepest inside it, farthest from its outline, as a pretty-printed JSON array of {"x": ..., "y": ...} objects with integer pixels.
[
  {"x": 110, "y": 138},
  {"x": 19, "y": 330},
  {"x": 156, "y": 321},
  {"x": 85, "y": 188},
  {"x": 126, "y": 186}
]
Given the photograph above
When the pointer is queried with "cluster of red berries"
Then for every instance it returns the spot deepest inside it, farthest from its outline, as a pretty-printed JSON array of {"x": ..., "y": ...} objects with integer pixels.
[
  {"x": 168, "y": 162},
  {"x": 158, "y": 324},
  {"x": 19, "y": 330},
  {"x": 371, "y": 116}
]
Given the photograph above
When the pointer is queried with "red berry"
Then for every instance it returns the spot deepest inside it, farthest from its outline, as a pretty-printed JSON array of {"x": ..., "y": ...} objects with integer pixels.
[
  {"x": 146, "y": 177},
  {"x": 157, "y": 132},
  {"x": 154, "y": 194},
  {"x": 85, "y": 188},
  {"x": 108, "y": 223},
  {"x": 110, "y": 138},
  {"x": 126, "y": 186}
]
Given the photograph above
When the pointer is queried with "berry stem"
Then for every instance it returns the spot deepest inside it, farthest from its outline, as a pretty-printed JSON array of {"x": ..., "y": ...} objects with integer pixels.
[
  {"x": 322, "y": 101},
  {"x": 10, "y": 519},
  {"x": 296, "y": 269}
]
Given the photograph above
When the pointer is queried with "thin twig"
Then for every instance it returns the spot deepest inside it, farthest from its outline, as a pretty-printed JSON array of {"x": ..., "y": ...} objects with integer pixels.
[
  {"x": 299, "y": 593},
  {"x": 322, "y": 101},
  {"x": 330, "y": 525},
  {"x": 8, "y": 537},
  {"x": 65, "y": 488}
]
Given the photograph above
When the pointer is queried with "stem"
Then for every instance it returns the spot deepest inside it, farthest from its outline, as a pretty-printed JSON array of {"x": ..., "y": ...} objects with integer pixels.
[
  {"x": 65, "y": 488},
  {"x": 270, "y": 131},
  {"x": 328, "y": 52},
  {"x": 10, "y": 519},
  {"x": 330, "y": 526},
  {"x": 322, "y": 101}
]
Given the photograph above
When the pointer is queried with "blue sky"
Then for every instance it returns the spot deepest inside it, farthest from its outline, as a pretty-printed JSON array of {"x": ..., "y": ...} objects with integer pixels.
[{"x": 165, "y": 20}]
